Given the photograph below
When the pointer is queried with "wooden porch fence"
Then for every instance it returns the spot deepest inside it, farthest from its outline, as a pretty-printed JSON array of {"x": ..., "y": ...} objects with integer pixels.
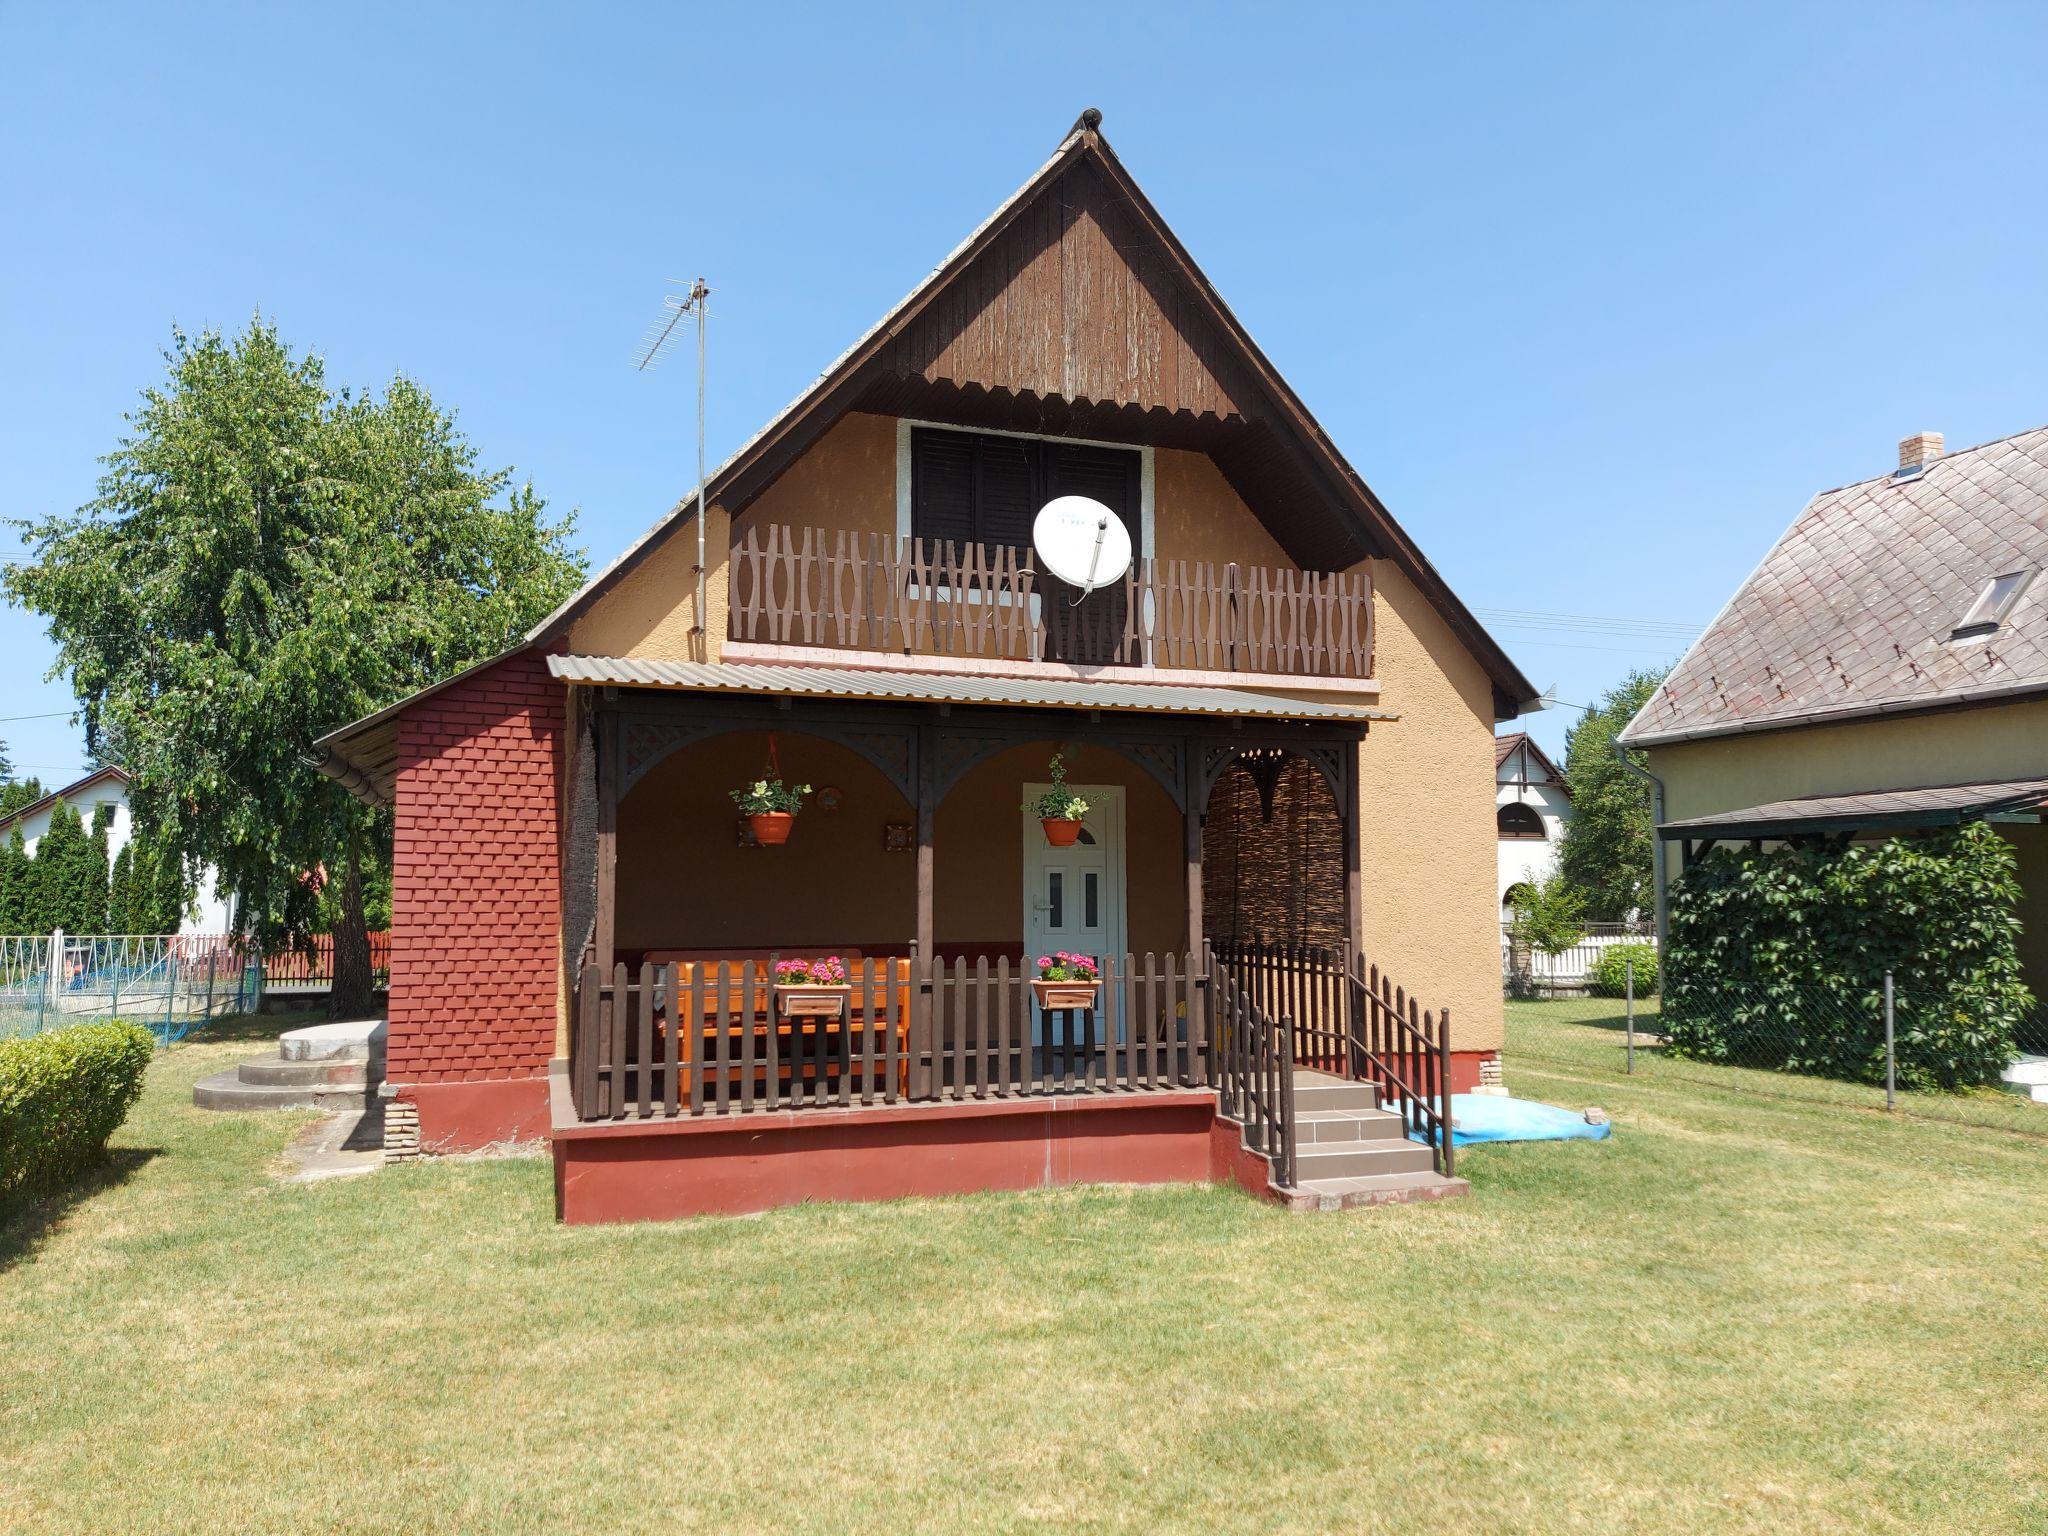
[
  {"x": 677, "y": 1040},
  {"x": 870, "y": 592}
]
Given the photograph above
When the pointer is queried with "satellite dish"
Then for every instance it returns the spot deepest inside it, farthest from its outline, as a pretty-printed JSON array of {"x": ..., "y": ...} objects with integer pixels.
[{"x": 1082, "y": 542}]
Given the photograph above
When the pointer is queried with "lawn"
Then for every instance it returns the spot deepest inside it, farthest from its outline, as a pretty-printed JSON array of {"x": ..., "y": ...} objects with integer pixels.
[{"x": 1737, "y": 1315}]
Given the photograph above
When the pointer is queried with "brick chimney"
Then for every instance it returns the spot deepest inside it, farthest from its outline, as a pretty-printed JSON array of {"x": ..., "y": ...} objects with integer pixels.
[{"x": 1919, "y": 450}]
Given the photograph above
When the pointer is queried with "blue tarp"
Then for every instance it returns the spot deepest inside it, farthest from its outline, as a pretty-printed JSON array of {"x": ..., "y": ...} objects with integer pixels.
[{"x": 1485, "y": 1117}]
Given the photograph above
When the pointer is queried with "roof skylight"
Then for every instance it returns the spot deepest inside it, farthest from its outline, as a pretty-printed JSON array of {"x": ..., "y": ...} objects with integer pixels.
[{"x": 1993, "y": 604}]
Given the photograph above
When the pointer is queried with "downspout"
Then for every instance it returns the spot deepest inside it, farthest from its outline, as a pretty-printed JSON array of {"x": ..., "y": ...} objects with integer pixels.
[{"x": 1657, "y": 876}]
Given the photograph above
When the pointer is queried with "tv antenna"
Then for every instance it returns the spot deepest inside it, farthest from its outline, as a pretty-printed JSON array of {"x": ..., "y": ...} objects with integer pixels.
[{"x": 655, "y": 346}]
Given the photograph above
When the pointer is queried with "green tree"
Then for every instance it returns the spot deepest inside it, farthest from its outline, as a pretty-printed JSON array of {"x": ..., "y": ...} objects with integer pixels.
[
  {"x": 121, "y": 891},
  {"x": 16, "y": 793},
  {"x": 266, "y": 560},
  {"x": 20, "y": 911},
  {"x": 1605, "y": 854},
  {"x": 70, "y": 880}
]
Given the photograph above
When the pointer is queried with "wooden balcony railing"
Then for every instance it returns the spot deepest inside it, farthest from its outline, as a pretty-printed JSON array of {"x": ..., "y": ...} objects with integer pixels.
[{"x": 848, "y": 591}]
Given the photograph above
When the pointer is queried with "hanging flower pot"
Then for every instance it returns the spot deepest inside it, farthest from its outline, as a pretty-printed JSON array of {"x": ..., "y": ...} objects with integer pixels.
[
  {"x": 771, "y": 828},
  {"x": 770, "y": 807},
  {"x": 1059, "y": 809}
]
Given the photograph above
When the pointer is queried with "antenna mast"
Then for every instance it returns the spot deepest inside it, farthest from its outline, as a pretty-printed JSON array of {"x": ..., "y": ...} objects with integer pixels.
[{"x": 652, "y": 351}]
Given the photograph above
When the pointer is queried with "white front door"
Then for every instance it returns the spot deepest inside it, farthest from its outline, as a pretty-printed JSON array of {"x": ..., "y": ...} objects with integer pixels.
[{"x": 1074, "y": 897}]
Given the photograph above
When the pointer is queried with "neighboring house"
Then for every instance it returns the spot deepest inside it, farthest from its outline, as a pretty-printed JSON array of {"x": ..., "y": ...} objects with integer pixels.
[
  {"x": 1885, "y": 668},
  {"x": 209, "y": 913},
  {"x": 1269, "y": 756},
  {"x": 1531, "y": 808}
]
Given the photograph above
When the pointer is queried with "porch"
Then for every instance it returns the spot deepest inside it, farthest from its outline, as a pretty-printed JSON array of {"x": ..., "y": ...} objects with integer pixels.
[{"x": 690, "y": 1084}]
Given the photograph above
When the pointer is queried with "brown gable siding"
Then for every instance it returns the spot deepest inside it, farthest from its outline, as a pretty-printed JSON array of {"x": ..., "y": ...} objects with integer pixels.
[{"x": 1074, "y": 301}]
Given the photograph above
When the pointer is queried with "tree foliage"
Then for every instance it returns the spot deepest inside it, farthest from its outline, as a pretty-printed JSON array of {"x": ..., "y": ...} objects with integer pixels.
[
  {"x": 1778, "y": 958},
  {"x": 20, "y": 900},
  {"x": 1606, "y": 852},
  {"x": 17, "y": 793},
  {"x": 1550, "y": 917},
  {"x": 266, "y": 560}
]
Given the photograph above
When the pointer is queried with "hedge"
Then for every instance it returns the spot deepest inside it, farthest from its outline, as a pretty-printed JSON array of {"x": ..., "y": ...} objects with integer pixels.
[
  {"x": 1610, "y": 974},
  {"x": 1778, "y": 958},
  {"x": 62, "y": 1094}
]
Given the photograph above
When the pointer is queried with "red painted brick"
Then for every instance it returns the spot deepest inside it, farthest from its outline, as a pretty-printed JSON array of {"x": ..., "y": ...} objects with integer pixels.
[{"x": 475, "y": 887}]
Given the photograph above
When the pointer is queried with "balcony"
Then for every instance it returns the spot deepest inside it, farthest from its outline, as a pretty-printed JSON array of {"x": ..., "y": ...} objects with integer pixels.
[{"x": 865, "y": 595}]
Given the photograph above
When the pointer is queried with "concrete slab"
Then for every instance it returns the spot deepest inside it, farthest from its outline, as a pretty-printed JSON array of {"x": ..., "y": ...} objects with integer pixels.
[
  {"x": 338, "y": 1147},
  {"x": 360, "y": 1038}
]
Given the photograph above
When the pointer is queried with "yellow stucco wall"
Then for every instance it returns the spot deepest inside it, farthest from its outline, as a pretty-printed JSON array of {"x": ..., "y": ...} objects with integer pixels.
[
  {"x": 685, "y": 882},
  {"x": 652, "y": 612},
  {"x": 1991, "y": 742},
  {"x": 1197, "y": 516},
  {"x": 847, "y": 480},
  {"x": 1428, "y": 841},
  {"x": 1726, "y": 773}
]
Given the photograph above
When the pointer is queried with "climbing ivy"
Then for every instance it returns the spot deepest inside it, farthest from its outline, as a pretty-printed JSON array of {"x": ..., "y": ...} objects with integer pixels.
[{"x": 1778, "y": 958}]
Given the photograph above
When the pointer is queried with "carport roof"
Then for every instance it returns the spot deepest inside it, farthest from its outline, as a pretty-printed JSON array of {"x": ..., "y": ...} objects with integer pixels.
[{"x": 1942, "y": 806}]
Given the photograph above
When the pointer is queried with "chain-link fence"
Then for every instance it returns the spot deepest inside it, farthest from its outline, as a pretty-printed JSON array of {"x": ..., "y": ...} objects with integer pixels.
[
  {"x": 169, "y": 984},
  {"x": 1813, "y": 1042}
]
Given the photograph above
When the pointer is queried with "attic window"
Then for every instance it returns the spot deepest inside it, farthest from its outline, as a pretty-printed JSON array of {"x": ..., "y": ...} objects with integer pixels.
[{"x": 1993, "y": 604}]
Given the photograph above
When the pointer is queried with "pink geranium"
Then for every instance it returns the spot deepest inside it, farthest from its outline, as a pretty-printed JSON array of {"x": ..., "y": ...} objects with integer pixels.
[
  {"x": 828, "y": 972},
  {"x": 1068, "y": 966}
]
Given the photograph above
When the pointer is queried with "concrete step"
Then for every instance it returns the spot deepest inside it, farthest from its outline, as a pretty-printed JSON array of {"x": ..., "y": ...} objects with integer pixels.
[
  {"x": 1317, "y": 1126},
  {"x": 226, "y": 1090},
  {"x": 349, "y": 1039},
  {"x": 329, "y": 1071},
  {"x": 1359, "y": 1159},
  {"x": 1374, "y": 1189},
  {"x": 1316, "y": 1090}
]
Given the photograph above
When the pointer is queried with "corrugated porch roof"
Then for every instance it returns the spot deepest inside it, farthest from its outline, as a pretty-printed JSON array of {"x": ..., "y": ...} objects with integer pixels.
[
  {"x": 1939, "y": 806},
  {"x": 951, "y": 688}
]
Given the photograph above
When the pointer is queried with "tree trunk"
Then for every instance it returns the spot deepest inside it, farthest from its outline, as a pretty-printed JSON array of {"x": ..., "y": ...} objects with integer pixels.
[{"x": 352, "y": 996}]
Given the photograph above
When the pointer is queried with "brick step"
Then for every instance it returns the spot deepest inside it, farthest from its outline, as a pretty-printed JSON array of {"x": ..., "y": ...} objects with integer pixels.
[
  {"x": 1356, "y": 1159},
  {"x": 1318, "y": 1126},
  {"x": 1343, "y": 1194},
  {"x": 1317, "y": 1090}
]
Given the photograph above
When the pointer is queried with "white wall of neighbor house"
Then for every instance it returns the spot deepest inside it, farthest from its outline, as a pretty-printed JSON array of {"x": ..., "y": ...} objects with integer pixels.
[
  {"x": 1527, "y": 860},
  {"x": 212, "y": 912}
]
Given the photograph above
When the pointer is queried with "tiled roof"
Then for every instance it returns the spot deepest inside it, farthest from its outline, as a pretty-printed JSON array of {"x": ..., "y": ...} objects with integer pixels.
[
  {"x": 1503, "y": 745},
  {"x": 1852, "y": 612}
]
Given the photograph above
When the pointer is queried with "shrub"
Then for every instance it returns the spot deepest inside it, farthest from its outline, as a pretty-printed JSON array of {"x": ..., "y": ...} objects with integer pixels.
[
  {"x": 62, "y": 1094},
  {"x": 1609, "y": 976},
  {"x": 1778, "y": 958}
]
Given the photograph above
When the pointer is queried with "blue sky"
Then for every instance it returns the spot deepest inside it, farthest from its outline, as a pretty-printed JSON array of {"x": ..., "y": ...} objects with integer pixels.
[{"x": 1594, "y": 297}]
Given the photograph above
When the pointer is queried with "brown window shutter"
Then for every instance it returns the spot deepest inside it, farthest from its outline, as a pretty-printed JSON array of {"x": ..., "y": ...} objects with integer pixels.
[
  {"x": 942, "y": 485},
  {"x": 1110, "y": 475}
]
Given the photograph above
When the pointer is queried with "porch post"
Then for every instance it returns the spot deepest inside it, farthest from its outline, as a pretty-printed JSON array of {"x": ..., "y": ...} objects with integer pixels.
[
  {"x": 1191, "y": 837},
  {"x": 610, "y": 741},
  {"x": 923, "y": 1080},
  {"x": 1354, "y": 917}
]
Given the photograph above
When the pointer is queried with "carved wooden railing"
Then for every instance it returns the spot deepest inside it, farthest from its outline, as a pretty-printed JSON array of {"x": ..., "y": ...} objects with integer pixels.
[{"x": 870, "y": 592}]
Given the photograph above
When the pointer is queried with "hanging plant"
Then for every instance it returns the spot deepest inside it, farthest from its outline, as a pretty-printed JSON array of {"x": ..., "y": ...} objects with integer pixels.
[
  {"x": 1059, "y": 810},
  {"x": 770, "y": 806}
]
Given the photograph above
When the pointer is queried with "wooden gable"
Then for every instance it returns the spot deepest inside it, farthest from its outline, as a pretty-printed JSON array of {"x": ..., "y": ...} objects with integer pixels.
[{"x": 1075, "y": 299}]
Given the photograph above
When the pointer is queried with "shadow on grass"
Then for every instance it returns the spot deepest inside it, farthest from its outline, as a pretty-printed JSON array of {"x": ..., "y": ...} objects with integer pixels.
[
  {"x": 252, "y": 1026},
  {"x": 26, "y": 1224}
]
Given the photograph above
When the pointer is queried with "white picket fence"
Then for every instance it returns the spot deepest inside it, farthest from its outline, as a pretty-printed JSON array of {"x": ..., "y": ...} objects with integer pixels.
[
  {"x": 169, "y": 983},
  {"x": 1569, "y": 970}
]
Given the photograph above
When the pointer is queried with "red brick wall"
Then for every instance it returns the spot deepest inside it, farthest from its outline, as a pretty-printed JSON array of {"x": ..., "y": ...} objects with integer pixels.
[{"x": 475, "y": 880}]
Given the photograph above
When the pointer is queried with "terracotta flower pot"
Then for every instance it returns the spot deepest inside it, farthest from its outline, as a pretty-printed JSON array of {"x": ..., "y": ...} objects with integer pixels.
[
  {"x": 812, "y": 999},
  {"x": 771, "y": 828},
  {"x": 1060, "y": 832},
  {"x": 1055, "y": 995}
]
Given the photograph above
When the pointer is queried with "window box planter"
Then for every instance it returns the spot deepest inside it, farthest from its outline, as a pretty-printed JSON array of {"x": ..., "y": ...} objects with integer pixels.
[
  {"x": 812, "y": 999},
  {"x": 1056, "y": 995}
]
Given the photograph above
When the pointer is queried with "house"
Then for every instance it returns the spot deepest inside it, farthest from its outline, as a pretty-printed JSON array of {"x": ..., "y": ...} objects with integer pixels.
[
  {"x": 1531, "y": 809},
  {"x": 1884, "y": 669},
  {"x": 211, "y": 912},
  {"x": 1278, "y": 716}
]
